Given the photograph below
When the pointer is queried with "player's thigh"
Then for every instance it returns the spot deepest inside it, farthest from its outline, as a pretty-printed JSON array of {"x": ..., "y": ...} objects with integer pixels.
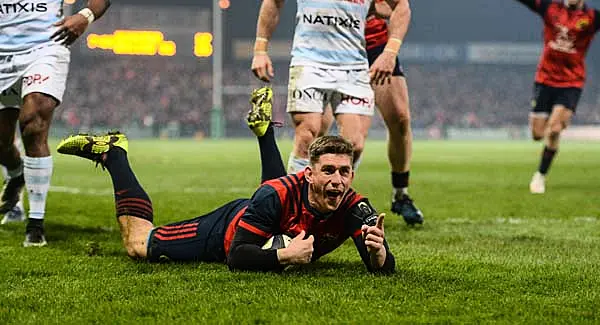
[
  {"x": 392, "y": 100},
  {"x": 308, "y": 89},
  {"x": 542, "y": 101},
  {"x": 564, "y": 108},
  {"x": 44, "y": 82},
  {"x": 198, "y": 239}
]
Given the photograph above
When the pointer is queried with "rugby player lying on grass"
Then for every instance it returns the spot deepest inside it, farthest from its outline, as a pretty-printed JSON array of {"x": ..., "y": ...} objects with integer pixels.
[{"x": 316, "y": 207}]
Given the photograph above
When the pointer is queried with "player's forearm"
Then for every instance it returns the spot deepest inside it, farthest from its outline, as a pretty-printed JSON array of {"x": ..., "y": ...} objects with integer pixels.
[
  {"x": 247, "y": 257},
  {"x": 98, "y": 7},
  {"x": 398, "y": 27},
  {"x": 389, "y": 264},
  {"x": 268, "y": 18},
  {"x": 531, "y": 4}
]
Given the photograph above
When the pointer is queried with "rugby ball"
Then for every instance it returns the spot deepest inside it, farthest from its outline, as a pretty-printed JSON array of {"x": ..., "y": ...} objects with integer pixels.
[{"x": 277, "y": 242}]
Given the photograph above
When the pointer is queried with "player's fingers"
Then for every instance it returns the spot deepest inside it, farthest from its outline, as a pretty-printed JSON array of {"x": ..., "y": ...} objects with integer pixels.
[
  {"x": 379, "y": 223},
  {"x": 262, "y": 74},
  {"x": 375, "y": 231},
  {"x": 58, "y": 33},
  {"x": 300, "y": 235},
  {"x": 311, "y": 239},
  {"x": 61, "y": 36},
  {"x": 58, "y": 23},
  {"x": 374, "y": 238},
  {"x": 270, "y": 70},
  {"x": 373, "y": 245}
]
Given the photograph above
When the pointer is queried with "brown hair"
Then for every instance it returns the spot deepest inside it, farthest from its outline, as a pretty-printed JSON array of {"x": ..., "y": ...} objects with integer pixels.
[{"x": 329, "y": 144}]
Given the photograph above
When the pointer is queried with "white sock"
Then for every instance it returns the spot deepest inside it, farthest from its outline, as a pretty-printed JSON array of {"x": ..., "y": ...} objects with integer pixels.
[
  {"x": 296, "y": 164},
  {"x": 38, "y": 172}
]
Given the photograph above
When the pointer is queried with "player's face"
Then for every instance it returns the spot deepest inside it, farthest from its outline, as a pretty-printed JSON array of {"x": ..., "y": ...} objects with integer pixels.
[{"x": 330, "y": 178}]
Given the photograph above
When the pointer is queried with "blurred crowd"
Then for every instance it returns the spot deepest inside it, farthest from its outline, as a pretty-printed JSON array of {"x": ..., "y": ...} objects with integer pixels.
[{"x": 156, "y": 92}]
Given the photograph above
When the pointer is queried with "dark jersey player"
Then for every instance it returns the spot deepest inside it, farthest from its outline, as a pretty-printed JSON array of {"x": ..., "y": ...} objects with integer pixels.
[
  {"x": 316, "y": 207},
  {"x": 569, "y": 27},
  {"x": 391, "y": 98}
]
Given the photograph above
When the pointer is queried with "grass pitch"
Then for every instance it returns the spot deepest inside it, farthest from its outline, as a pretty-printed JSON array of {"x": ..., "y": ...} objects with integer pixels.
[{"x": 489, "y": 251}]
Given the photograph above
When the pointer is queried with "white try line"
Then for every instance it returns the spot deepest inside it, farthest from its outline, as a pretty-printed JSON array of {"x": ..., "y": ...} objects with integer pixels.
[{"x": 204, "y": 190}]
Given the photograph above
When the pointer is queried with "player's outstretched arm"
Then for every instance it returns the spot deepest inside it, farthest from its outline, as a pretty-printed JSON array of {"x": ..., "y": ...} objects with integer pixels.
[
  {"x": 369, "y": 237},
  {"x": 538, "y": 6},
  {"x": 383, "y": 67},
  {"x": 71, "y": 27},
  {"x": 596, "y": 20},
  {"x": 268, "y": 18}
]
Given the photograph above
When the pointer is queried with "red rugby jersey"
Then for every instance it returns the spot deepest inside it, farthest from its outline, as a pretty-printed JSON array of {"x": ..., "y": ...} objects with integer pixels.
[
  {"x": 281, "y": 206},
  {"x": 568, "y": 34},
  {"x": 376, "y": 32}
]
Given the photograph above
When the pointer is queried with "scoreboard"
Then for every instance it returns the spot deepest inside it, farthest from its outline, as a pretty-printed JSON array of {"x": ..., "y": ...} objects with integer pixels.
[{"x": 150, "y": 31}]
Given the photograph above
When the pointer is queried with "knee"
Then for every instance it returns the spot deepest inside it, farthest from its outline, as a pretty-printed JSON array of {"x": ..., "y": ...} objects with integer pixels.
[
  {"x": 358, "y": 144},
  {"x": 398, "y": 120},
  {"x": 304, "y": 136},
  {"x": 537, "y": 136},
  {"x": 135, "y": 250},
  {"x": 554, "y": 130}
]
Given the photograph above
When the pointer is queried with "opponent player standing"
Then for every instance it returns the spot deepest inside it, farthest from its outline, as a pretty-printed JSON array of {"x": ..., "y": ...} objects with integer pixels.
[
  {"x": 329, "y": 65},
  {"x": 569, "y": 27},
  {"x": 316, "y": 207},
  {"x": 393, "y": 103},
  {"x": 34, "y": 62}
]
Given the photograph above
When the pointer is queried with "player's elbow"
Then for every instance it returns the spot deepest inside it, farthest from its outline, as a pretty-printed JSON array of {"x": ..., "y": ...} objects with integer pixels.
[{"x": 235, "y": 259}]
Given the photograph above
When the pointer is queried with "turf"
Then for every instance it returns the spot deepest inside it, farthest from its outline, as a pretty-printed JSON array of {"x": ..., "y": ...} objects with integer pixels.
[{"x": 489, "y": 251}]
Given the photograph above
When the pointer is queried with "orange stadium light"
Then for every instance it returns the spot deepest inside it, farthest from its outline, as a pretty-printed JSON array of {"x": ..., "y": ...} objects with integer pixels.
[
  {"x": 70, "y": 2},
  {"x": 167, "y": 48},
  {"x": 203, "y": 44},
  {"x": 224, "y": 4},
  {"x": 133, "y": 42}
]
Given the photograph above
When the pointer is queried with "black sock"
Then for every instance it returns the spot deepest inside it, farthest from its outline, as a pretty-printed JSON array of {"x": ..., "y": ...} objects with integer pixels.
[
  {"x": 34, "y": 223},
  {"x": 547, "y": 157},
  {"x": 270, "y": 158},
  {"x": 130, "y": 197},
  {"x": 400, "y": 180}
]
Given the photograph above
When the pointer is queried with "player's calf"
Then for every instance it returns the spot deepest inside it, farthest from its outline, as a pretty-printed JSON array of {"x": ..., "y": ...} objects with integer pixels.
[
  {"x": 35, "y": 119},
  {"x": 307, "y": 127}
]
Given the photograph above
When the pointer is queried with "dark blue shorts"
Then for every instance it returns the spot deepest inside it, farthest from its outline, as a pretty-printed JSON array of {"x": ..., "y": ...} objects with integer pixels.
[
  {"x": 545, "y": 97},
  {"x": 200, "y": 239},
  {"x": 374, "y": 53}
]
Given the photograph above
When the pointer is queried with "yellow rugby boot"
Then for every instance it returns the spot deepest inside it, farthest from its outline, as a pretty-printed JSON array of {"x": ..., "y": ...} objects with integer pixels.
[
  {"x": 92, "y": 146},
  {"x": 260, "y": 116}
]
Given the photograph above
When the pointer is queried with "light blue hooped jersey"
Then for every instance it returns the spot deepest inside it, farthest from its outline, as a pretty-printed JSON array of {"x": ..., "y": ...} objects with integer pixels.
[
  {"x": 331, "y": 34},
  {"x": 25, "y": 24}
]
